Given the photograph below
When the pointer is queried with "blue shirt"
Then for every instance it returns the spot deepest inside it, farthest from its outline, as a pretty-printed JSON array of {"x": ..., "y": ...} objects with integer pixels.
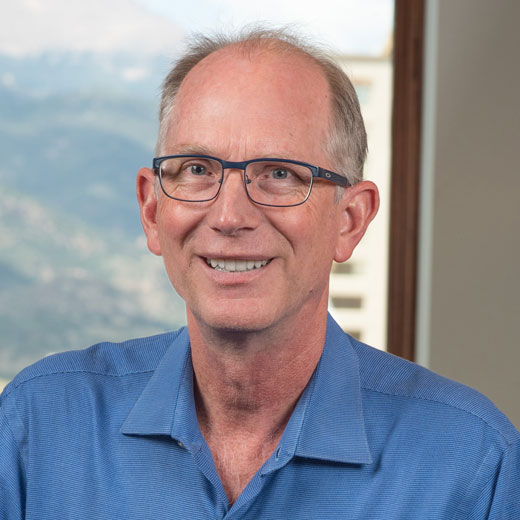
[{"x": 111, "y": 433}]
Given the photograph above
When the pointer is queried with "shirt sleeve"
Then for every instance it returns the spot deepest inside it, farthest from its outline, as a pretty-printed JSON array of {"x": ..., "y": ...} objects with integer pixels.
[
  {"x": 12, "y": 474},
  {"x": 500, "y": 498}
]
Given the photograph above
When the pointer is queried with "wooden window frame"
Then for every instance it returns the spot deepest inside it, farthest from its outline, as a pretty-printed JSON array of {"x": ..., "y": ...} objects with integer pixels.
[{"x": 405, "y": 174}]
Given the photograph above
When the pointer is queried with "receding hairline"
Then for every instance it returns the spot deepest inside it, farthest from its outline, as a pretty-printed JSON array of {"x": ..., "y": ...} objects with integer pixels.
[
  {"x": 259, "y": 38},
  {"x": 251, "y": 48},
  {"x": 269, "y": 44}
]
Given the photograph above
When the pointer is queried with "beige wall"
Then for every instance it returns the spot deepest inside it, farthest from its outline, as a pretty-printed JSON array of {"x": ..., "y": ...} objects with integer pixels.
[{"x": 469, "y": 311}]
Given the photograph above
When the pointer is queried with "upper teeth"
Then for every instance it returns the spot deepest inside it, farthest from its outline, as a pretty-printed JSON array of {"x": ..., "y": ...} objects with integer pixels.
[{"x": 235, "y": 265}]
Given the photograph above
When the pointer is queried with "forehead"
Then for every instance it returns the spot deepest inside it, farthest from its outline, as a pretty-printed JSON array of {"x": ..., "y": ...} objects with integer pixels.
[{"x": 255, "y": 95}]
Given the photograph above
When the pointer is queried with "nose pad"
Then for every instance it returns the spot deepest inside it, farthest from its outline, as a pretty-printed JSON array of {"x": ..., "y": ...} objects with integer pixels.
[
  {"x": 227, "y": 178},
  {"x": 232, "y": 210}
]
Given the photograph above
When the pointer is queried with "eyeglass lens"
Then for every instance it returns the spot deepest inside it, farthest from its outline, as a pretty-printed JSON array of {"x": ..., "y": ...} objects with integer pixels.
[{"x": 275, "y": 183}]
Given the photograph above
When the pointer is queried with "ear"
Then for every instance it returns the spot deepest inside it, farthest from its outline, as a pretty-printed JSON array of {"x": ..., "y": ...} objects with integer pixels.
[
  {"x": 358, "y": 206},
  {"x": 148, "y": 208}
]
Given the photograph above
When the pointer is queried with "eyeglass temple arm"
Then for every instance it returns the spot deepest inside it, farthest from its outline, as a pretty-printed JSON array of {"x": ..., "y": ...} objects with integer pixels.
[{"x": 333, "y": 177}]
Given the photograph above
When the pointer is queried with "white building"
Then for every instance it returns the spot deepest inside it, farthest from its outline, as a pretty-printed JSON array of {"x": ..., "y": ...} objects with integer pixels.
[{"x": 358, "y": 288}]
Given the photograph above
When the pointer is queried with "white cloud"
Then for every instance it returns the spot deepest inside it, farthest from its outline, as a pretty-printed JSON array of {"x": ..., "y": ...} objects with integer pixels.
[
  {"x": 132, "y": 74},
  {"x": 33, "y": 26},
  {"x": 8, "y": 80}
]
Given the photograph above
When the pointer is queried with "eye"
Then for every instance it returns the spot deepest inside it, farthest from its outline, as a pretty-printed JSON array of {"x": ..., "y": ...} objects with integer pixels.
[
  {"x": 280, "y": 173},
  {"x": 197, "y": 169}
]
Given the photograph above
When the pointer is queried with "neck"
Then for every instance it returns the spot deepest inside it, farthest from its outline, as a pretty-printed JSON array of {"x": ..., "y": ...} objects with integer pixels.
[
  {"x": 246, "y": 387},
  {"x": 250, "y": 381}
]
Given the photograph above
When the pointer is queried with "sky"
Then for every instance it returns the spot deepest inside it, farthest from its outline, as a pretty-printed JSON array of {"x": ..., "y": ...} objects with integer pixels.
[
  {"x": 353, "y": 26},
  {"x": 155, "y": 26}
]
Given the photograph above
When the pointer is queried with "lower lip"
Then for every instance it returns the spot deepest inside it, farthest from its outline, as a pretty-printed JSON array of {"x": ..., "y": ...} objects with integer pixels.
[{"x": 235, "y": 277}]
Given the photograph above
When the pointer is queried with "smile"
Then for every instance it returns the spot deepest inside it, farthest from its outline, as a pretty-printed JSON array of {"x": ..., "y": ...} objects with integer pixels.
[{"x": 233, "y": 266}]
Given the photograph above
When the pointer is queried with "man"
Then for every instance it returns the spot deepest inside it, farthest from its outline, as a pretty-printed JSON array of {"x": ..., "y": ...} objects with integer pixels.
[{"x": 262, "y": 408}]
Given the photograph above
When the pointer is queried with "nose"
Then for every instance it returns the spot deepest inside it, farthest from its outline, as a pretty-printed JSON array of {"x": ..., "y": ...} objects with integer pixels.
[{"x": 232, "y": 211}]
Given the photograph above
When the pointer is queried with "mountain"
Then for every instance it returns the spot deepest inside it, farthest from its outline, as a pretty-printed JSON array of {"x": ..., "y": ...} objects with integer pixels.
[
  {"x": 77, "y": 152},
  {"x": 59, "y": 72},
  {"x": 74, "y": 269},
  {"x": 68, "y": 284}
]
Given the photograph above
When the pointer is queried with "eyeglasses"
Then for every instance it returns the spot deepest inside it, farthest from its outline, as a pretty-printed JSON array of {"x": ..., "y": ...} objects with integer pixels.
[{"x": 269, "y": 182}]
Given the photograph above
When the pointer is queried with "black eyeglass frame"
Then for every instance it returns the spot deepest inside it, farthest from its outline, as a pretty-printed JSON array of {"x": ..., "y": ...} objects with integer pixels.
[{"x": 316, "y": 171}]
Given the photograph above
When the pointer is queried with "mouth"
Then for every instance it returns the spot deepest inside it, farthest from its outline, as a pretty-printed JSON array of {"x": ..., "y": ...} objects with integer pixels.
[{"x": 235, "y": 266}]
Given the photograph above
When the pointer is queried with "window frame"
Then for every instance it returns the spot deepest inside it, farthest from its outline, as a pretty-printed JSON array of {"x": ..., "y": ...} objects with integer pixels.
[{"x": 405, "y": 176}]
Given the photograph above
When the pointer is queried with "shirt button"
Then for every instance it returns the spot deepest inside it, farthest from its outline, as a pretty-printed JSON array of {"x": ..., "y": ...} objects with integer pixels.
[{"x": 180, "y": 444}]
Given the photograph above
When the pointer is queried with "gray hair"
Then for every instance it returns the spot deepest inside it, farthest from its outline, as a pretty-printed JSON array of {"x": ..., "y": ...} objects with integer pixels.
[{"x": 346, "y": 143}]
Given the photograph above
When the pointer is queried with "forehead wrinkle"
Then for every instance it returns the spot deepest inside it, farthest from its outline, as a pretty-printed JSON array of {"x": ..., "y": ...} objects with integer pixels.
[
  {"x": 194, "y": 149},
  {"x": 260, "y": 148}
]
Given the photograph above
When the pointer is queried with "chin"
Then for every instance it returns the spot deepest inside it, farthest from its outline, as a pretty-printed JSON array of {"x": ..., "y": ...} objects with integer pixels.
[{"x": 240, "y": 318}]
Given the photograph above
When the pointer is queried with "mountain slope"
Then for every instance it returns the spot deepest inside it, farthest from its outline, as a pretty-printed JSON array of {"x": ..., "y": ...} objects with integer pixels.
[{"x": 66, "y": 285}]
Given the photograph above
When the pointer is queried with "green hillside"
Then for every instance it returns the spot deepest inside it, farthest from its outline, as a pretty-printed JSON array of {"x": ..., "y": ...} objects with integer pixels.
[
  {"x": 74, "y": 269},
  {"x": 65, "y": 284},
  {"x": 78, "y": 152}
]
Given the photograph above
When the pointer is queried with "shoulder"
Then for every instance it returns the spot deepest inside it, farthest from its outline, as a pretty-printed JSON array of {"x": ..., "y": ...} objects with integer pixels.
[
  {"x": 416, "y": 390},
  {"x": 103, "y": 360}
]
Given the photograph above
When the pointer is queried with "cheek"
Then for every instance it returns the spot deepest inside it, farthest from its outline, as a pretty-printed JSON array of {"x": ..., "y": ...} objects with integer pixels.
[
  {"x": 176, "y": 219},
  {"x": 173, "y": 231},
  {"x": 175, "y": 226},
  {"x": 312, "y": 234}
]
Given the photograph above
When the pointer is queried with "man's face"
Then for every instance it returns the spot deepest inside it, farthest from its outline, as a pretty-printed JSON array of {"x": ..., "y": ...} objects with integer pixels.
[{"x": 238, "y": 107}]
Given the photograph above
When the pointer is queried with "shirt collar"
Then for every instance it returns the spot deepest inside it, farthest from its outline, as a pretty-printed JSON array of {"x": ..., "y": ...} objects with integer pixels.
[
  {"x": 327, "y": 422},
  {"x": 167, "y": 406},
  {"x": 333, "y": 425}
]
